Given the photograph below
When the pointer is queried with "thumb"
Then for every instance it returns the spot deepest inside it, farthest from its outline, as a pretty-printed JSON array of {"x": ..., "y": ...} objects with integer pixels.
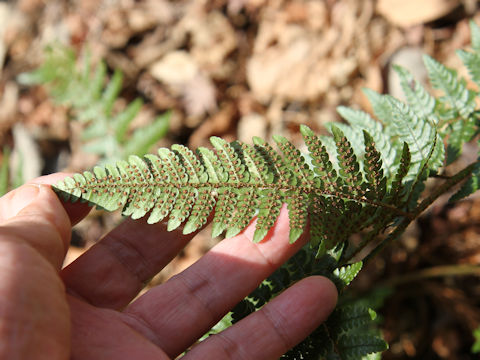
[{"x": 33, "y": 215}]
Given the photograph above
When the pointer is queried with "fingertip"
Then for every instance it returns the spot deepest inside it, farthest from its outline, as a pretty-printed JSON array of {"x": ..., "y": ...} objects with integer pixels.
[
  {"x": 76, "y": 211},
  {"x": 326, "y": 293}
]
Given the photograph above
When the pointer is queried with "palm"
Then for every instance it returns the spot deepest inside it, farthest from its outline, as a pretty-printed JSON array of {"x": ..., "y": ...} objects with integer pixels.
[{"x": 106, "y": 323}]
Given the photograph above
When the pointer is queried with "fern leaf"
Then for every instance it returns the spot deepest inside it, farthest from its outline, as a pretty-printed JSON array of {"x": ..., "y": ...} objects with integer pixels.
[
  {"x": 471, "y": 60},
  {"x": 302, "y": 174},
  {"x": 350, "y": 317},
  {"x": 347, "y": 160},
  {"x": 226, "y": 200},
  {"x": 111, "y": 92},
  {"x": 415, "y": 131},
  {"x": 4, "y": 171},
  {"x": 269, "y": 209},
  {"x": 298, "y": 209},
  {"x": 95, "y": 86},
  {"x": 347, "y": 273},
  {"x": 353, "y": 134},
  {"x": 122, "y": 120},
  {"x": 457, "y": 95},
  {"x": 230, "y": 161},
  {"x": 259, "y": 172},
  {"x": 363, "y": 121},
  {"x": 462, "y": 131},
  {"x": 420, "y": 101},
  {"x": 353, "y": 347},
  {"x": 279, "y": 169},
  {"x": 90, "y": 97},
  {"x": 396, "y": 192},
  {"x": 246, "y": 207},
  {"x": 323, "y": 167},
  {"x": 475, "y": 35},
  {"x": 240, "y": 181},
  {"x": 468, "y": 187},
  {"x": 380, "y": 104},
  {"x": 144, "y": 138},
  {"x": 373, "y": 168}
]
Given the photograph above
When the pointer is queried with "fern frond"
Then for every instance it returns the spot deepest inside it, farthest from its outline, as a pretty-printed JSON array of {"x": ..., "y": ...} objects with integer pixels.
[
  {"x": 471, "y": 60},
  {"x": 241, "y": 181},
  {"x": 363, "y": 121},
  {"x": 470, "y": 186},
  {"x": 420, "y": 101},
  {"x": 475, "y": 36},
  {"x": 455, "y": 91},
  {"x": 91, "y": 96},
  {"x": 408, "y": 127},
  {"x": 347, "y": 273}
]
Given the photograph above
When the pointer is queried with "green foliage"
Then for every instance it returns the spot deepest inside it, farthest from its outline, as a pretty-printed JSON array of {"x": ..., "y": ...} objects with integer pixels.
[
  {"x": 350, "y": 331},
  {"x": 239, "y": 180},
  {"x": 10, "y": 179},
  {"x": 4, "y": 173},
  {"x": 367, "y": 178},
  {"x": 476, "y": 344},
  {"x": 91, "y": 96}
]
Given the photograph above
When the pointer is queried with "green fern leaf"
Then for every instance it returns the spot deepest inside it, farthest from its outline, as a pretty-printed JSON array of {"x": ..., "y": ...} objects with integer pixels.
[
  {"x": 475, "y": 35},
  {"x": 240, "y": 181},
  {"x": 383, "y": 142},
  {"x": 462, "y": 131},
  {"x": 373, "y": 168},
  {"x": 420, "y": 101},
  {"x": 302, "y": 175},
  {"x": 230, "y": 161},
  {"x": 246, "y": 207},
  {"x": 122, "y": 120},
  {"x": 470, "y": 186},
  {"x": 95, "y": 86},
  {"x": 297, "y": 203},
  {"x": 415, "y": 131},
  {"x": 323, "y": 167},
  {"x": 397, "y": 190},
  {"x": 91, "y": 98},
  {"x": 355, "y": 346},
  {"x": 471, "y": 60},
  {"x": 274, "y": 163},
  {"x": 349, "y": 166},
  {"x": 456, "y": 93},
  {"x": 347, "y": 273}
]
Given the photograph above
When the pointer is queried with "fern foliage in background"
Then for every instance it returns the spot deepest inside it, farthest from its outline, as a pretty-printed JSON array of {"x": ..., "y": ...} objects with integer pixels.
[
  {"x": 10, "y": 177},
  {"x": 367, "y": 178},
  {"x": 4, "y": 173},
  {"x": 91, "y": 97}
]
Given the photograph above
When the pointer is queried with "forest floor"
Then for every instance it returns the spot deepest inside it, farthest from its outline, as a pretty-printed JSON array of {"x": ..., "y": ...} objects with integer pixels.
[{"x": 243, "y": 68}]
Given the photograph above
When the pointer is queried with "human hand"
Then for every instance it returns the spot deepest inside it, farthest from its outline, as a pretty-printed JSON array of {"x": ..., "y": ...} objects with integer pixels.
[{"x": 85, "y": 311}]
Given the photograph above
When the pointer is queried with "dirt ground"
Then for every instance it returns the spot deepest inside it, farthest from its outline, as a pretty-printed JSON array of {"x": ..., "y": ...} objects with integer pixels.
[{"x": 243, "y": 68}]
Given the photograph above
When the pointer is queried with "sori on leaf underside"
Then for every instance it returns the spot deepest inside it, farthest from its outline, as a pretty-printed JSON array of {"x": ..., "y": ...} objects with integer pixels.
[
  {"x": 368, "y": 177},
  {"x": 237, "y": 181}
]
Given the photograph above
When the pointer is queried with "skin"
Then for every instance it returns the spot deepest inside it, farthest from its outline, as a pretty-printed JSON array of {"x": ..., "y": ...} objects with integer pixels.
[{"x": 87, "y": 310}]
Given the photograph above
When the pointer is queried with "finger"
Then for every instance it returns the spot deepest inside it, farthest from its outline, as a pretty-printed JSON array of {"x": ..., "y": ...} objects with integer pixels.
[
  {"x": 76, "y": 211},
  {"x": 12, "y": 202},
  {"x": 112, "y": 272},
  {"x": 277, "y": 327},
  {"x": 207, "y": 290},
  {"x": 33, "y": 215}
]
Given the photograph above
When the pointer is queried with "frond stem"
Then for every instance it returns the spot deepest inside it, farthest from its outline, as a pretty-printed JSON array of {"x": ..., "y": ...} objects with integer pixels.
[
  {"x": 446, "y": 186},
  {"x": 432, "y": 272}
]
